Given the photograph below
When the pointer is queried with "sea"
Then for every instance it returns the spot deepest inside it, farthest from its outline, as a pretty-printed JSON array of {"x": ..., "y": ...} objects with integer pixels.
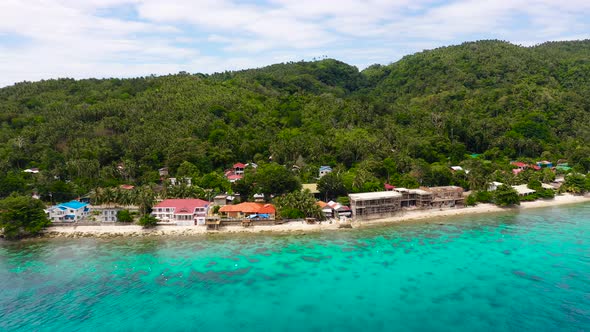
[{"x": 513, "y": 271}]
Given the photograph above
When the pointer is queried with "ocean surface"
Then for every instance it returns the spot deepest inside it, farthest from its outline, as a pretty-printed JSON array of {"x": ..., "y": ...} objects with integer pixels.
[{"x": 527, "y": 271}]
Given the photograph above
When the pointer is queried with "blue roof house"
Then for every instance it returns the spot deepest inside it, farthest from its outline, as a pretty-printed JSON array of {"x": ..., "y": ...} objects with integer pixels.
[
  {"x": 71, "y": 211},
  {"x": 324, "y": 170}
]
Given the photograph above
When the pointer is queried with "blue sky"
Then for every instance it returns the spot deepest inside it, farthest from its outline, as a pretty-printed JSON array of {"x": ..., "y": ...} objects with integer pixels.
[{"x": 42, "y": 39}]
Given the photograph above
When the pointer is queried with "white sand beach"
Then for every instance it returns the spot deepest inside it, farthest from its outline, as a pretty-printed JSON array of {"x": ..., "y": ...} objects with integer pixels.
[{"x": 108, "y": 231}]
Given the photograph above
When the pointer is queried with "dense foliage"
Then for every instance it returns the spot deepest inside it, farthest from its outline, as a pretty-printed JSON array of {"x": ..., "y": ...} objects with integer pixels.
[
  {"x": 505, "y": 195},
  {"x": 148, "y": 221},
  {"x": 404, "y": 123},
  {"x": 21, "y": 216},
  {"x": 124, "y": 216},
  {"x": 298, "y": 204}
]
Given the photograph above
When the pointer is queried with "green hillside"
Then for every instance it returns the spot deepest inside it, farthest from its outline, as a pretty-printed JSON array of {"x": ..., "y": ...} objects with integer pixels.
[{"x": 423, "y": 112}]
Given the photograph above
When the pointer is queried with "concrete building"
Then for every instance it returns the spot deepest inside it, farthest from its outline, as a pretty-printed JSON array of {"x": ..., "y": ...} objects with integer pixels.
[
  {"x": 375, "y": 204},
  {"x": 184, "y": 212},
  {"x": 446, "y": 196},
  {"x": 71, "y": 211}
]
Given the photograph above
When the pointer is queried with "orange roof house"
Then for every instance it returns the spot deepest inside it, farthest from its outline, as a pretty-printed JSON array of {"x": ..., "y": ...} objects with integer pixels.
[{"x": 247, "y": 208}]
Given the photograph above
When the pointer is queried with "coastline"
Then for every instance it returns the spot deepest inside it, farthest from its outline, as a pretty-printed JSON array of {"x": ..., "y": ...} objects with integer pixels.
[{"x": 109, "y": 231}]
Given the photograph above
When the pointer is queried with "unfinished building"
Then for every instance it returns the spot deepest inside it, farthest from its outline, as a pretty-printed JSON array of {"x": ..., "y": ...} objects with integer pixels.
[
  {"x": 447, "y": 196},
  {"x": 375, "y": 204},
  {"x": 414, "y": 198}
]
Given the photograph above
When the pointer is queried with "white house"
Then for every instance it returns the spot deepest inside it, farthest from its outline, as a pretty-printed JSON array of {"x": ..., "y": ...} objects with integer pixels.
[
  {"x": 181, "y": 211},
  {"x": 494, "y": 185},
  {"x": 523, "y": 190},
  {"x": 68, "y": 212}
]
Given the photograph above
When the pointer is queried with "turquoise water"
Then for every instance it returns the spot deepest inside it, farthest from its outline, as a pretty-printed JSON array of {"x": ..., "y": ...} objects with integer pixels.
[{"x": 508, "y": 272}]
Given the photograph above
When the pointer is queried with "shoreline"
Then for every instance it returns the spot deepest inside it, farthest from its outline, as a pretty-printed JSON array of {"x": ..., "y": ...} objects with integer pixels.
[{"x": 110, "y": 231}]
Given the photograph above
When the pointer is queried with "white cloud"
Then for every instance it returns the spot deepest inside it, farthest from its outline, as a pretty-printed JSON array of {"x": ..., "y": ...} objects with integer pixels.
[{"x": 102, "y": 38}]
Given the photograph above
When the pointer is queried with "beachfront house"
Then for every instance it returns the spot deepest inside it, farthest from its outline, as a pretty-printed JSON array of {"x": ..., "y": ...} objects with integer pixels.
[
  {"x": 334, "y": 209},
  {"x": 181, "y": 211},
  {"x": 492, "y": 186},
  {"x": 248, "y": 210},
  {"x": 105, "y": 213},
  {"x": 71, "y": 211},
  {"x": 523, "y": 190}
]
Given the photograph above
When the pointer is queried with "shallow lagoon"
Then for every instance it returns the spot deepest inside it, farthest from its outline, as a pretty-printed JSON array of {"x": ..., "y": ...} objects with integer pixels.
[{"x": 501, "y": 272}]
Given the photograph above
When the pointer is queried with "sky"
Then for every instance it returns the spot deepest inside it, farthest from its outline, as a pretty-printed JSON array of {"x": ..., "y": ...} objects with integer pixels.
[{"x": 44, "y": 39}]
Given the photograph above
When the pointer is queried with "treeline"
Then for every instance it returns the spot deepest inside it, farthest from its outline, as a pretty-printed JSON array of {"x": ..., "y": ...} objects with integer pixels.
[{"x": 421, "y": 114}]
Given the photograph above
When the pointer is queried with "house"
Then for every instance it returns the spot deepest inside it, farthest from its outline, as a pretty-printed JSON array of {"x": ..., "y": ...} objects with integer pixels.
[
  {"x": 564, "y": 167},
  {"x": 375, "y": 204},
  {"x": 523, "y": 190},
  {"x": 456, "y": 168},
  {"x": 236, "y": 173},
  {"x": 246, "y": 209},
  {"x": 520, "y": 166},
  {"x": 324, "y": 170},
  {"x": 71, "y": 211},
  {"x": 239, "y": 168},
  {"x": 233, "y": 177},
  {"x": 494, "y": 185},
  {"x": 326, "y": 209},
  {"x": 544, "y": 164},
  {"x": 163, "y": 172},
  {"x": 343, "y": 211},
  {"x": 32, "y": 170},
  {"x": 105, "y": 213},
  {"x": 388, "y": 187},
  {"x": 220, "y": 200},
  {"x": 182, "y": 181},
  {"x": 181, "y": 211},
  {"x": 334, "y": 209},
  {"x": 312, "y": 187}
]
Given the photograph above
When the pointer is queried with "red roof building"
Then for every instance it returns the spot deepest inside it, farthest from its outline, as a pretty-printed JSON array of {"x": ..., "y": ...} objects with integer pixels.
[
  {"x": 519, "y": 164},
  {"x": 185, "y": 211},
  {"x": 234, "y": 177},
  {"x": 245, "y": 209}
]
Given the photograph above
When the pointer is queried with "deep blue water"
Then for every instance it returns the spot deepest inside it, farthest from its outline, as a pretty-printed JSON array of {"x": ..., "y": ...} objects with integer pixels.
[{"x": 526, "y": 271}]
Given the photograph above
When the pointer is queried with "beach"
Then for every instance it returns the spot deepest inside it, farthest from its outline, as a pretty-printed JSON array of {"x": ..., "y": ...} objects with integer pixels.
[{"x": 108, "y": 231}]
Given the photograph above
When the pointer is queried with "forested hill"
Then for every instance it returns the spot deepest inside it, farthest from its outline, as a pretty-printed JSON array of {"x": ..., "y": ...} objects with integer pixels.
[{"x": 489, "y": 97}]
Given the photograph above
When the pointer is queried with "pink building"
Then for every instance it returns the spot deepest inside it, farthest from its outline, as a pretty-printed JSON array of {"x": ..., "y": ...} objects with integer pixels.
[{"x": 181, "y": 211}]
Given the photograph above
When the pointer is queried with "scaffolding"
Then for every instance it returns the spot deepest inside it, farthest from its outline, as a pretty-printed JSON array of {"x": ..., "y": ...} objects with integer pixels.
[
  {"x": 446, "y": 196},
  {"x": 375, "y": 204}
]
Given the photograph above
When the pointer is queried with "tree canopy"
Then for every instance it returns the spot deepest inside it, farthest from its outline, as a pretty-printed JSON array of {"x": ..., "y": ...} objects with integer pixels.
[
  {"x": 22, "y": 216},
  {"x": 420, "y": 114}
]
